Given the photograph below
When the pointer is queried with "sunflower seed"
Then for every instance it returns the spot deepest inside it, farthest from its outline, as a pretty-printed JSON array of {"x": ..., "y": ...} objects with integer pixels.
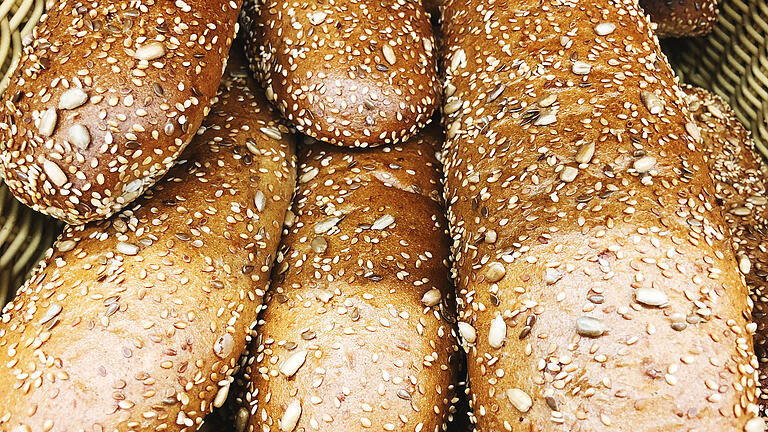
[
  {"x": 72, "y": 98},
  {"x": 79, "y": 136},
  {"x": 568, "y": 174},
  {"x": 54, "y": 172},
  {"x": 317, "y": 17},
  {"x": 546, "y": 118},
  {"x": 495, "y": 272},
  {"x": 605, "y": 28},
  {"x": 51, "y": 313},
  {"x": 150, "y": 51},
  {"x": 292, "y": 364},
  {"x": 383, "y": 222},
  {"x": 127, "y": 248},
  {"x": 585, "y": 153},
  {"x": 519, "y": 399},
  {"x": 47, "y": 122},
  {"x": 431, "y": 297},
  {"x": 589, "y": 327},
  {"x": 551, "y": 276},
  {"x": 221, "y": 396},
  {"x": 467, "y": 332},
  {"x": 309, "y": 175},
  {"x": 389, "y": 53},
  {"x": 744, "y": 264},
  {"x": 581, "y": 68},
  {"x": 260, "y": 201},
  {"x": 291, "y": 416},
  {"x": 319, "y": 244},
  {"x": 651, "y": 297},
  {"x": 325, "y": 225},
  {"x": 498, "y": 332},
  {"x": 459, "y": 59},
  {"x": 651, "y": 102},
  {"x": 644, "y": 164}
]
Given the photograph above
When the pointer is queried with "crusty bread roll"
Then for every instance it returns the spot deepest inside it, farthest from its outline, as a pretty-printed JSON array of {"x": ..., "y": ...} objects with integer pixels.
[
  {"x": 678, "y": 18},
  {"x": 349, "y": 72},
  {"x": 739, "y": 174},
  {"x": 136, "y": 323},
  {"x": 106, "y": 97},
  {"x": 358, "y": 330},
  {"x": 597, "y": 286}
]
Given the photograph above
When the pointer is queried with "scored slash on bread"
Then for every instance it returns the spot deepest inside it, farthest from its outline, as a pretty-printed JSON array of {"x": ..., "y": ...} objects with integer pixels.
[
  {"x": 739, "y": 174},
  {"x": 137, "y": 322},
  {"x": 355, "y": 73},
  {"x": 681, "y": 18},
  {"x": 106, "y": 97},
  {"x": 358, "y": 330},
  {"x": 597, "y": 287}
]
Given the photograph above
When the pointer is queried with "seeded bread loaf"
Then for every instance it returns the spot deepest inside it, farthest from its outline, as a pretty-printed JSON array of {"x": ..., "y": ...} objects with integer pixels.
[
  {"x": 358, "y": 330},
  {"x": 739, "y": 174},
  {"x": 597, "y": 286},
  {"x": 678, "y": 18},
  {"x": 106, "y": 97},
  {"x": 355, "y": 73},
  {"x": 137, "y": 322}
]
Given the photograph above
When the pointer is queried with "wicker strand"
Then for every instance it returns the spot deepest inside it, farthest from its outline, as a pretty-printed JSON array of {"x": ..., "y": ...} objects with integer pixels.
[
  {"x": 24, "y": 234},
  {"x": 732, "y": 61}
]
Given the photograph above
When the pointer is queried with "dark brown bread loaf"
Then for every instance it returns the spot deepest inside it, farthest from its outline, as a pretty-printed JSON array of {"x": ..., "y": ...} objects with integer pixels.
[
  {"x": 677, "y": 18},
  {"x": 136, "y": 323},
  {"x": 597, "y": 286},
  {"x": 739, "y": 174},
  {"x": 351, "y": 72},
  {"x": 106, "y": 97},
  {"x": 358, "y": 331}
]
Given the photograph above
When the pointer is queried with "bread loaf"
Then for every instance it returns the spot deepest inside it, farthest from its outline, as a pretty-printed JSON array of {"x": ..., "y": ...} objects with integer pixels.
[
  {"x": 136, "y": 323},
  {"x": 358, "y": 331},
  {"x": 597, "y": 286},
  {"x": 349, "y": 72},
  {"x": 678, "y": 18},
  {"x": 106, "y": 97},
  {"x": 739, "y": 174}
]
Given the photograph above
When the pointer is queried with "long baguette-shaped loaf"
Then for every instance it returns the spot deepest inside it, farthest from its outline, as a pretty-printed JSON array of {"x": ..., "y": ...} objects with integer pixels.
[
  {"x": 739, "y": 174},
  {"x": 136, "y": 323},
  {"x": 355, "y": 73},
  {"x": 358, "y": 332},
  {"x": 106, "y": 97},
  {"x": 597, "y": 286}
]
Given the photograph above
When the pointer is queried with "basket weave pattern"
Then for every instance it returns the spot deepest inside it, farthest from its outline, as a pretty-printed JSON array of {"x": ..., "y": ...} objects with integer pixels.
[
  {"x": 732, "y": 61},
  {"x": 24, "y": 234}
]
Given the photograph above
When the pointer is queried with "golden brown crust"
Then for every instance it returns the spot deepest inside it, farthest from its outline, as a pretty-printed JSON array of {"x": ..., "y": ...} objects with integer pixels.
[
  {"x": 597, "y": 287},
  {"x": 679, "y": 18},
  {"x": 137, "y": 322},
  {"x": 349, "y": 72},
  {"x": 738, "y": 172},
  {"x": 106, "y": 97},
  {"x": 358, "y": 331}
]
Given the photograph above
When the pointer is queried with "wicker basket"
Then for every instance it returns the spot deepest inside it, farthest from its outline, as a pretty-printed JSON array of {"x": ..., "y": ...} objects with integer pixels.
[
  {"x": 24, "y": 234},
  {"x": 732, "y": 61}
]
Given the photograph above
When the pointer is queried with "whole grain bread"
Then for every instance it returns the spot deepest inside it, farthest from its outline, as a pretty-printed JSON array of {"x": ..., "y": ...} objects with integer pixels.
[
  {"x": 105, "y": 98},
  {"x": 136, "y": 323},
  {"x": 681, "y": 18},
  {"x": 597, "y": 287},
  {"x": 355, "y": 73},
  {"x": 358, "y": 331},
  {"x": 739, "y": 174}
]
